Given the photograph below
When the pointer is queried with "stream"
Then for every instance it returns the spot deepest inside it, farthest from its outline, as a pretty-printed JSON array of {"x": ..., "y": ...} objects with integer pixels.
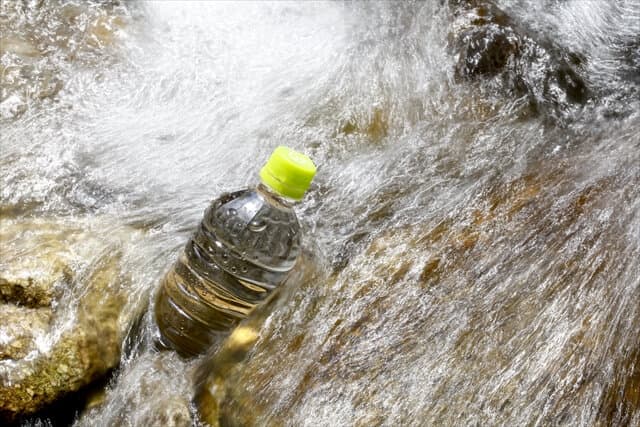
[{"x": 472, "y": 234}]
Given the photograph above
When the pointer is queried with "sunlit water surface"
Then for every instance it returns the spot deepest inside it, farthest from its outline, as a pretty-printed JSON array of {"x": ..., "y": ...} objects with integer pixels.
[{"x": 530, "y": 311}]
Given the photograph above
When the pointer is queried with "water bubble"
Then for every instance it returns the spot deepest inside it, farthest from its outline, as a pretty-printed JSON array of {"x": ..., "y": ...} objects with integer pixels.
[
  {"x": 236, "y": 228},
  {"x": 231, "y": 212},
  {"x": 257, "y": 225}
]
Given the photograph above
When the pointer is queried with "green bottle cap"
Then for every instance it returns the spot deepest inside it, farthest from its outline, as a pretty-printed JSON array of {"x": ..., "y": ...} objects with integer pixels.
[{"x": 288, "y": 172}]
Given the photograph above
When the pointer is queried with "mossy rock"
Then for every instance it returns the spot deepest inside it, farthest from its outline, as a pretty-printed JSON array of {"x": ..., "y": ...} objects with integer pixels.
[{"x": 61, "y": 296}]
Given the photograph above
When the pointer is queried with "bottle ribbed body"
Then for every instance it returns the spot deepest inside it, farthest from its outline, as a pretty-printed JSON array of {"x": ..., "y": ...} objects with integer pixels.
[{"x": 245, "y": 246}]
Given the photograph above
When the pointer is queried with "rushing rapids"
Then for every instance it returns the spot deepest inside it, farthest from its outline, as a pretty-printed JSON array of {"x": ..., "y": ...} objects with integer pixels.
[{"x": 472, "y": 237}]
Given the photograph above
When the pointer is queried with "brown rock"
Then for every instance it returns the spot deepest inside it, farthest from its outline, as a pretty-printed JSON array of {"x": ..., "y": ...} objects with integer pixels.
[
  {"x": 38, "y": 40},
  {"x": 491, "y": 316},
  {"x": 60, "y": 312}
]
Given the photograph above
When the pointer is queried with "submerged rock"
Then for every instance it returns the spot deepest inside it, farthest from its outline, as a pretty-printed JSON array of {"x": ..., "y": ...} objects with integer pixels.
[
  {"x": 491, "y": 45},
  {"x": 61, "y": 312},
  {"x": 210, "y": 376},
  {"x": 39, "y": 39},
  {"x": 521, "y": 309},
  {"x": 154, "y": 390}
]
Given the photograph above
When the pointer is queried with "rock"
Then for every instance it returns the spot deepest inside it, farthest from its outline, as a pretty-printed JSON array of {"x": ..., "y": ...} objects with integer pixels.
[
  {"x": 61, "y": 313},
  {"x": 40, "y": 40},
  {"x": 489, "y": 44},
  {"x": 171, "y": 414},
  {"x": 14, "y": 45},
  {"x": 103, "y": 30},
  {"x": 210, "y": 377},
  {"x": 487, "y": 52},
  {"x": 21, "y": 325},
  {"x": 154, "y": 390},
  {"x": 374, "y": 126},
  {"x": 12, "y": 106},
  {"x": 506, "y": 313},
  {"x": 211, "y": 374}
]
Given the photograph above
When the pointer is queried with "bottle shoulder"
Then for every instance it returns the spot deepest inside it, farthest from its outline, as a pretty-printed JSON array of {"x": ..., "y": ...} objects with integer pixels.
[
  {"x": 248, "y": 220},
  {"x": 251, "y": 202}
]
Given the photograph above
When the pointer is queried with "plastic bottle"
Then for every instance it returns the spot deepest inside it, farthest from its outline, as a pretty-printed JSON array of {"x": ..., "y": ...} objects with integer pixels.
[{"x": 245, "y": 246}]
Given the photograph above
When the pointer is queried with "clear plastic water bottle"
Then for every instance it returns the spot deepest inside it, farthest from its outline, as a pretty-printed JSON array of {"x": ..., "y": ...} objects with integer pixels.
[{"x": 245, "y": 246}]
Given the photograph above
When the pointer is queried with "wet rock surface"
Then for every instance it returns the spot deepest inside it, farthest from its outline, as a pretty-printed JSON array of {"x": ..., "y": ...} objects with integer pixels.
[
  {"x": 61, "y": 324},
  {"x": 157, "y": 395},
  {"x": 430, "y": 315},
  {"x": 491, "y": 45}
]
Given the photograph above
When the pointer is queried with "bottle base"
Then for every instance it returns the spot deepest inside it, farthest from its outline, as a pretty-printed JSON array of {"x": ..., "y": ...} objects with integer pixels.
[{"x": 180, "y": 332}]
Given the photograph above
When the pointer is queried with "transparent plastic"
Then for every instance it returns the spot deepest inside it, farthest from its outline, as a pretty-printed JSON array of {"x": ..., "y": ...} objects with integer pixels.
[{"x": 245, "y": 246}]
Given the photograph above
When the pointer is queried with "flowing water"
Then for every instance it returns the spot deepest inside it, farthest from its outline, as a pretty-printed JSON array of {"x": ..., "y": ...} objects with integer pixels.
[{"x": 475, "y": 231}]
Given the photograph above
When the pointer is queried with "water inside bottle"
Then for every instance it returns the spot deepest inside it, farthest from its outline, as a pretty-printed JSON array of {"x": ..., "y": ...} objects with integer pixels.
[{"x": 243, "y": 249}]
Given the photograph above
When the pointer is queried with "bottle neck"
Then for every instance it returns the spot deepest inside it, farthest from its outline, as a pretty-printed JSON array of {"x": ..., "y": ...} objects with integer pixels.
[{"x": 269, "y": 194}]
